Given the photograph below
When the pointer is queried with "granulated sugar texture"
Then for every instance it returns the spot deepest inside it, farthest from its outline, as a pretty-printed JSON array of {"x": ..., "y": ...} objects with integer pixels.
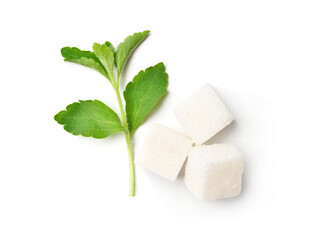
[
  {"x": 163, "y": 152},
  {"x": 214, "y": 171},
  {"x": 211, "y": 171},
  {"x": 203, "y": 114}
]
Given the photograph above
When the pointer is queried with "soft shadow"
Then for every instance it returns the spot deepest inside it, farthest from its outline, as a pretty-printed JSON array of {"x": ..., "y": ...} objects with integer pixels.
[
  {"x": 181, "y": 173},
  {"x": 115, "y": 137},
  {"x": 223, "y": 135},
  {"x": 253, "y": 134}
]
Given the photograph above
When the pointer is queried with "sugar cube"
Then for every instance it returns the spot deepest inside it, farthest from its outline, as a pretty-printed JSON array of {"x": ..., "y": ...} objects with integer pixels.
[
  {"x": 203, "y": 114},
  {"x": 164, "y": 151},
  {"x": 214, "y": 171}
]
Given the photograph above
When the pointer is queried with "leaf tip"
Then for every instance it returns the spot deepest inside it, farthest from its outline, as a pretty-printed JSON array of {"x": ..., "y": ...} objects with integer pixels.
[
  {"x": 64, "y": 51},
  {"x": 160, "y": 65},
  {"x": 56, "y": 117},
  {"x": 59, "y": 117},
  {"x": 96, "y": 46}
]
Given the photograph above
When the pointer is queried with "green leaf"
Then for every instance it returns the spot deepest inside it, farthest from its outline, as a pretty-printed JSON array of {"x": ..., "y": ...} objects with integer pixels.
[
  {"x": 106, "y": 57},
  {"x": 143, "y": 93},
  {"x": 85, "y": 58},
  {"x": 109, "y": 45},
  {"x": 90, "y": 119},
  {"x": 126, "y": 47}
]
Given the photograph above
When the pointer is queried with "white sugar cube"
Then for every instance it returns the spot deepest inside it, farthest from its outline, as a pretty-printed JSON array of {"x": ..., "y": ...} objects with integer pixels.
[
  {"x": 203, "y": 114},
  {"x": 164, "y": 152},
  {"x": 214, "y": 171}
]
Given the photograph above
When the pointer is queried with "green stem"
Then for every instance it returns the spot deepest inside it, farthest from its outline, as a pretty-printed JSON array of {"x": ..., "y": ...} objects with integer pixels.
[
  {"x": 128, "y": 142},
  {"x": 131, "y": 167}
]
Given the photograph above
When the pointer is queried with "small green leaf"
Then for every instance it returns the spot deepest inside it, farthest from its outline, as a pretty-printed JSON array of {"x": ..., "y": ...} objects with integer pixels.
[
  {"x": 90, "y": 119},
  {"x": 143, "y": 93},
  {"x": 85, "y": 58},
  {"x": 126, "y": 47},
  {"x": 109, "y": 45},
  {"x": 106, "y": 57}
]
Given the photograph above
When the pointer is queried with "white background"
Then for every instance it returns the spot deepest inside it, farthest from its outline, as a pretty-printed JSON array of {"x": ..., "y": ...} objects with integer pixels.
[{"x": 261, "y": 56}]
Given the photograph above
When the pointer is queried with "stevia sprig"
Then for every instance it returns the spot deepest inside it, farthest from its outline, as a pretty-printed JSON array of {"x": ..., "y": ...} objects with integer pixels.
[{"x": 92, "y": 118}]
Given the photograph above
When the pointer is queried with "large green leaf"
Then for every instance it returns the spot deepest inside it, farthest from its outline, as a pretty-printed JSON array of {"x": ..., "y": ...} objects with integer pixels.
[
  {"x": 143, "y": 93},
  {"x": 90, "y": 119},
  {"x": 106, "y": 57},
  {"x": 85, "y": 58},
  {"x": 126, "y": 47}
]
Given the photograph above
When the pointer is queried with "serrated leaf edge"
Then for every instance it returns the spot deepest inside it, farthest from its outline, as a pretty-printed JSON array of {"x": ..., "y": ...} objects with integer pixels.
[
  {"x": 119, "y": 71},
  {"x": 105, "y": 74},
  {"x": 135, "y": 80},
  {"x": 84, "y": 135}
]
